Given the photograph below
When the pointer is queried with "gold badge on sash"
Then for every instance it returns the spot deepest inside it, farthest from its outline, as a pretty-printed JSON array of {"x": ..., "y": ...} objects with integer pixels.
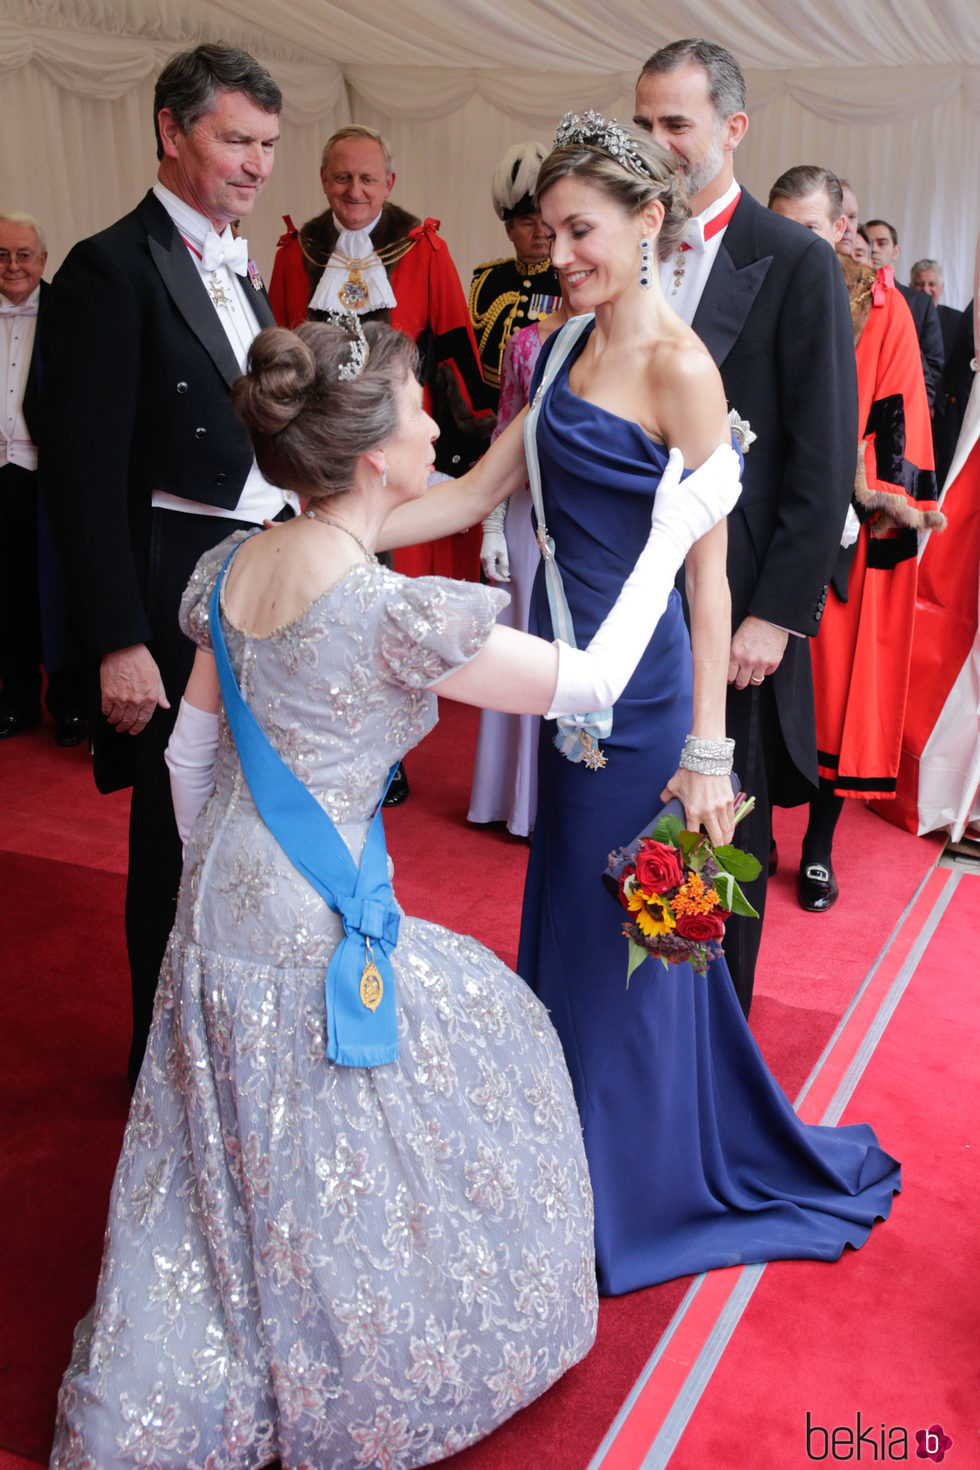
[{"x": 372, "y": 985}]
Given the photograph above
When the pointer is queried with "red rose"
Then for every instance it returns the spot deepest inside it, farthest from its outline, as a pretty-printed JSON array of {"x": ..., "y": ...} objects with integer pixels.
[
  {"x": 658, "y": 867},
  {"x": 700, "y": 926}
]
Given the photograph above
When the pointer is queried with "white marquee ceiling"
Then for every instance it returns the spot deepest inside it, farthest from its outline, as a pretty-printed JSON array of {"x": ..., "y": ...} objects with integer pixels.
[{"x": 888, "y": 94}]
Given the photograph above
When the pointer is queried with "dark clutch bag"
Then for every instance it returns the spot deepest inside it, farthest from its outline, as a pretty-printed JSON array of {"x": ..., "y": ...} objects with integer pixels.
[{"x": 616, "y": 864}]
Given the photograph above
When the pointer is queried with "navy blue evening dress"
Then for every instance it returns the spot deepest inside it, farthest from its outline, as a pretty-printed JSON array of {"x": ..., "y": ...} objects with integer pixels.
[{"x": 696, "y": 1156}]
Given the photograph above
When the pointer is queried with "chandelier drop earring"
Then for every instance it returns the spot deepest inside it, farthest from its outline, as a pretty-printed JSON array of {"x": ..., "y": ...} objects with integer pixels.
[{"x": 646, "y": 264}]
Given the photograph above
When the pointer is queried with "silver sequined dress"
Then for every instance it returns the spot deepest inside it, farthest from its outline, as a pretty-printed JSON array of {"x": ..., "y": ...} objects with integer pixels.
[{"x": 335, "y": 1266}]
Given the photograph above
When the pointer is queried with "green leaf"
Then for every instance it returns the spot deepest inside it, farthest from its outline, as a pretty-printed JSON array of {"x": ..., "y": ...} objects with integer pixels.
[
  {"x": 724, "y": 886},
  {"x": 668, "y": 829},
  {"x": 696, "y": 849},
  {"x": 637, "y": 954},
  {"x": 742, "y": 865}
]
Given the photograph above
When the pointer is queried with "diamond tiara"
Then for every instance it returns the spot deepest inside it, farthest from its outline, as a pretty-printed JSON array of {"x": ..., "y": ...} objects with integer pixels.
[
  {"x": 592, "y": 130},
  {"x": 359, "y": 349}
]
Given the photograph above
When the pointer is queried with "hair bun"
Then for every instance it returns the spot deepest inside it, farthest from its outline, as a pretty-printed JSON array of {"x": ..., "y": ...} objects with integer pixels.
[{"x": 281, "y": 371}]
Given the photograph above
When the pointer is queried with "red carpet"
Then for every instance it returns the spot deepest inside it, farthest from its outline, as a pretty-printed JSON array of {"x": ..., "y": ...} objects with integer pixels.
[
  {"x": 61, "y": 852},
  {"x": 888, "y": 1332}
]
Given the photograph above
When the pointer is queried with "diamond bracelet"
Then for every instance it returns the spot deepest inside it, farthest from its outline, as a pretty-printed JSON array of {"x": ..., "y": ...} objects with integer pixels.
[{"x": 707, "y": 757}]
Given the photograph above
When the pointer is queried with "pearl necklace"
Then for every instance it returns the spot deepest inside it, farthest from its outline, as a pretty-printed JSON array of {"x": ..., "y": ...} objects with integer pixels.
[{"x": 326, "y": 521}]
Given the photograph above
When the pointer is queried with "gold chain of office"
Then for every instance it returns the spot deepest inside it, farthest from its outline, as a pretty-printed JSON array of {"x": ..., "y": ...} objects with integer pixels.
[{"x": 354, "y": 293}]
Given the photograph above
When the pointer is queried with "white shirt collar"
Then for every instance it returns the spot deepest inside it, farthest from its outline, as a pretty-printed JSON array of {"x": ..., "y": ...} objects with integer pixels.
[
  {"x": 189, "y": 221},
  {"x": 364, "y": 230},
  {"x": 31, "y": 303},
  {"x": 699, "y": 222}
]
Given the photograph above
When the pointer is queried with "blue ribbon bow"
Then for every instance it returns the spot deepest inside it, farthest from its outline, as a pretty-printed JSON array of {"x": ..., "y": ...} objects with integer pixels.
[{"x": 362, "y": 1026}]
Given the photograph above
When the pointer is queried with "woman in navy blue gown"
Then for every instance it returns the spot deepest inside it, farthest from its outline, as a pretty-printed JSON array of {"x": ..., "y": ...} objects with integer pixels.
[{"x": 696, "y": 1156}]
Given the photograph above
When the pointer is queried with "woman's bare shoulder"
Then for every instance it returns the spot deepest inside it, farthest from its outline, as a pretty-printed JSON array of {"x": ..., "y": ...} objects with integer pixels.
[{"x": 687, "y": 389}]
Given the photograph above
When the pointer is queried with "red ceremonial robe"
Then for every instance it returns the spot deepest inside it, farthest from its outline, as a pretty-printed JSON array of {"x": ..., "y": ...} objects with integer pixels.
[
  {"x": 429, "y": 295},
  {"x": 862, "y": 652},
  {"x": 939, "y": 775}
]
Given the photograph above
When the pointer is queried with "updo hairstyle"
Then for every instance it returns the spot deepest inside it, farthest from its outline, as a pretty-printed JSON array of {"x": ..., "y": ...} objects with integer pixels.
[
  {"x": 308, "y": 426},
  {"x": 661, "y": 179}
]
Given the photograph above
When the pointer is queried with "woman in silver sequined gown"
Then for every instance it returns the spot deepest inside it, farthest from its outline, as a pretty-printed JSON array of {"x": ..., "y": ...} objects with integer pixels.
[
  {"x": 328, "y": 1265},
  {"x": 342, "y": 1266}
]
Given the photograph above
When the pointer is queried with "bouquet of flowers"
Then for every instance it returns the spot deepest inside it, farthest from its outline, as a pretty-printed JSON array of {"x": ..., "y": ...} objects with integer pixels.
[{"x": 679, "y": 890}]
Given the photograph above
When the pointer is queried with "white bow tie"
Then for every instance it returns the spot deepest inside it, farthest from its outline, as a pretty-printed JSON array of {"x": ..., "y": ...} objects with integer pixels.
[
  {"x": 9, "y": 308},
  {"x": 226, "y": 250}
]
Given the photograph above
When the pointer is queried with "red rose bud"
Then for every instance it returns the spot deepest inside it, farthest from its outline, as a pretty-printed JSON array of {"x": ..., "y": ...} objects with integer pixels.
[
  {"x": 700, "y": 926},
  {"x": 658, "y": 867}
]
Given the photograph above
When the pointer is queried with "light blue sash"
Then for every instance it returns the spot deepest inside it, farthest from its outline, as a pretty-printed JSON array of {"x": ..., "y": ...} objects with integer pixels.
[
  {"x": 577, "y": 736},
  {"x": 362, "y": 1019}
]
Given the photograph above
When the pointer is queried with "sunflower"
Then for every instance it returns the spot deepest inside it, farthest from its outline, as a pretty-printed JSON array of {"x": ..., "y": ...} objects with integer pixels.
[{"x": 652, "y": 913}]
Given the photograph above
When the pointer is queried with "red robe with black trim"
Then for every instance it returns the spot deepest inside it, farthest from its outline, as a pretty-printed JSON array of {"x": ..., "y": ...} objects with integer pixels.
[
  {"x": 939, "y": 776},
  {"x": 862, "y": 652},
  {"x": 428, "y": 294}
]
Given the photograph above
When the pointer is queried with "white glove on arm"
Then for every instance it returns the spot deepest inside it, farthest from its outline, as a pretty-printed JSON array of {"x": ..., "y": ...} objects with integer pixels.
[
  {"x": 593, "y": 678},
  {"x": 190, "y": 757},
  {"x": 494, "y": 556}
]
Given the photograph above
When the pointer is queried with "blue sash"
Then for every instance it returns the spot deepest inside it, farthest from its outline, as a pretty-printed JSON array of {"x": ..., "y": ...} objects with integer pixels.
[
  {"x": 577, "y": 736},
  {"x": 362, "y": 1020}
]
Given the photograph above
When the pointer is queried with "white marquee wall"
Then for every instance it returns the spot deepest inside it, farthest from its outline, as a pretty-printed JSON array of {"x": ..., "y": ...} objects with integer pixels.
[{"x": 892, "y": 102}]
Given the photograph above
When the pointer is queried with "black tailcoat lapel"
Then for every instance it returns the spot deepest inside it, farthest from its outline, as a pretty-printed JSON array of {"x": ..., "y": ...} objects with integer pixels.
[
  {"x": 729, "y": 295},
  {"x": 188, "y": 292}
]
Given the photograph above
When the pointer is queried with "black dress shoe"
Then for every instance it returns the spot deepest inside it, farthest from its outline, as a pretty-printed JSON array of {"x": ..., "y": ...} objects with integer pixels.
[
  {"x": 398, "y": 790},
  {"x": 818, "y": 888},
  {"x": 70, "y": 731},
  {"x": 13, "y": 724}
]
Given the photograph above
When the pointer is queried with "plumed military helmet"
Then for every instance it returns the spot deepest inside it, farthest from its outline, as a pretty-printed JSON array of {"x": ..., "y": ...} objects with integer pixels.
[{"x": 514, "y": 179}]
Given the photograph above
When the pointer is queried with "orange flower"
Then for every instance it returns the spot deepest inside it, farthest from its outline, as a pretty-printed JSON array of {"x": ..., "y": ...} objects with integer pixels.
[{"x": 694, "y": 898}]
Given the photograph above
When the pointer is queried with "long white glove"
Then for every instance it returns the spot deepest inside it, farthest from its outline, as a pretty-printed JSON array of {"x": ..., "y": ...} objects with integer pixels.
[
  {"x": 593, "y": 678},
  {"x": 494, "y": 555},
  {"x": 191, "y": 757}
]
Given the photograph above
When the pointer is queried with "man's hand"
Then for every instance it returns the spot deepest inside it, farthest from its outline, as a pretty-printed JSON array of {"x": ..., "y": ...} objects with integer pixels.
[
  {"x": 757, "y": 650},
  {"x": 131, "y": 688}
]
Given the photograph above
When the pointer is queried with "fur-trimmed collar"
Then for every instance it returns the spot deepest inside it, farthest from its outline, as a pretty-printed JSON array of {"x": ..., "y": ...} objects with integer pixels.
[
  {"x": 318, "y": 237},
  {"x": 889, "y": 509},
  {"x": 859, "y": 280}
]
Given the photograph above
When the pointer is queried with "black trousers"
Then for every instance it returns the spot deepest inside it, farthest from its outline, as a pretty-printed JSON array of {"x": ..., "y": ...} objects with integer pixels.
[
  {"x": 20, "y": 608},
  {"x": 765, "y": 772},
  {"x": 177, "y": 542}
]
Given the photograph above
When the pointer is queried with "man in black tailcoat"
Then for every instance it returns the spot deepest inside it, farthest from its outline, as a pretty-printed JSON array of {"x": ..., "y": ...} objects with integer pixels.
[
  {"x": 25, "y": 573},
  {"x": 144, "y": 465},
  {"x": 768, "y": 299}
]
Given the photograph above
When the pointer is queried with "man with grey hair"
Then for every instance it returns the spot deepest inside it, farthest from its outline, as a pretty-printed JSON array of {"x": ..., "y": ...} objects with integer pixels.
[
  {"x": 927, "y": 276},
  {"x": 144, "y": 465},
  {"x": 367, "y": 255},
  {"x": 28, "y": 565},
  {"x": 768, "y": 300}
]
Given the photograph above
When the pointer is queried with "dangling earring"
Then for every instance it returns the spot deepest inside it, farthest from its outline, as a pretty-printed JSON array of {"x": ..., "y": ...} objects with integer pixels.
[
  {"x": 384, "y": 473},
  {"x": 646, "y": 265}
]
